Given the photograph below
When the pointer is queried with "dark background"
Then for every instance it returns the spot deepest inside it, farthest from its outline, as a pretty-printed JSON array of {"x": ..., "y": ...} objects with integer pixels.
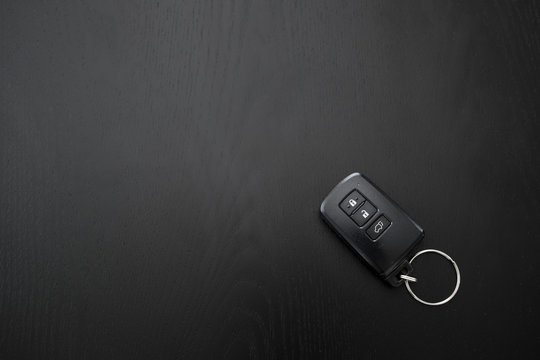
[{"x": 162, "y": 166}]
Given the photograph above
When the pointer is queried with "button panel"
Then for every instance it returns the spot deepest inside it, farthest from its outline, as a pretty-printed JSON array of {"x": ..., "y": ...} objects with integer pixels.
[{"x": 361, "y": 211}]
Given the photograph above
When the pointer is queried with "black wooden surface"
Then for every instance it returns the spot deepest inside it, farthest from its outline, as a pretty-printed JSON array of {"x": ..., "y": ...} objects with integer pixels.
[{"x": 162, "y": 164}]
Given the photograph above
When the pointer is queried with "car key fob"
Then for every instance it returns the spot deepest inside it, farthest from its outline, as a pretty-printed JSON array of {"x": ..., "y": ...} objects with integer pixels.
[{"x": 373, "y": 225}]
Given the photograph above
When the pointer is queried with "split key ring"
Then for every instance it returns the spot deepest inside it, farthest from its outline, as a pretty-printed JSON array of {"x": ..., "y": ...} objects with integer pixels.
[{"x": 408, "y": 278}]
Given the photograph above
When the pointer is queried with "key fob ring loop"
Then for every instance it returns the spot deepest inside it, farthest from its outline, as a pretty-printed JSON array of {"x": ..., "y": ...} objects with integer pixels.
[{"x": 408, "y": 278}]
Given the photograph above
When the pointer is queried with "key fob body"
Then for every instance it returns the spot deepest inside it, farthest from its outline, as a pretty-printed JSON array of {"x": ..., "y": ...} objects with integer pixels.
[{"x": 373, "y": 225}]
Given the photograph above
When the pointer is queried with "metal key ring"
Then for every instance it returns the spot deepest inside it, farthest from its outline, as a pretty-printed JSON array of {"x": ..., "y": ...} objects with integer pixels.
[{"x": 408, "y": 278}]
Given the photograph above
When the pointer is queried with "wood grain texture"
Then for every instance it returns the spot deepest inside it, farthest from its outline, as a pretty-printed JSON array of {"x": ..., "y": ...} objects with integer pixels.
[{"x": 162, "y": 164}]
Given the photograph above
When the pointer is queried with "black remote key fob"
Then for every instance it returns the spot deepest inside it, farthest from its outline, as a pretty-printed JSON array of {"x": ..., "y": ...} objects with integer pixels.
[{"x": 373, "y": 225}]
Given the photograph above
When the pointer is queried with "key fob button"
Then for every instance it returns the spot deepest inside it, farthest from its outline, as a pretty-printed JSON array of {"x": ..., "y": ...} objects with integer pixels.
[
  {"x": 378, "y": 227},
  {"x": 351, "y": 202},
  {"x": 364, "y": 213}
]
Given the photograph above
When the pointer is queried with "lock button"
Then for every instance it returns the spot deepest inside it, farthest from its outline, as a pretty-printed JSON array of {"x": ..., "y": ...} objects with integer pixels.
[
  {"x": 364, "y": 213},
  {"x": 352, "y": 202}
]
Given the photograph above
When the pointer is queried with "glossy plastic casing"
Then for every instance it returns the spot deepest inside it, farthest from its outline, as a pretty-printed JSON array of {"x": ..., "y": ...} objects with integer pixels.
[{"x": 388, "y": 254}]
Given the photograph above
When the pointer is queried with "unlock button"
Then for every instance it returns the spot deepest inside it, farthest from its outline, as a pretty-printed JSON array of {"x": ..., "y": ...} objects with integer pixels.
[
  {"x": 352, "y": 202},
  {"x": 362, "y": 215}
]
